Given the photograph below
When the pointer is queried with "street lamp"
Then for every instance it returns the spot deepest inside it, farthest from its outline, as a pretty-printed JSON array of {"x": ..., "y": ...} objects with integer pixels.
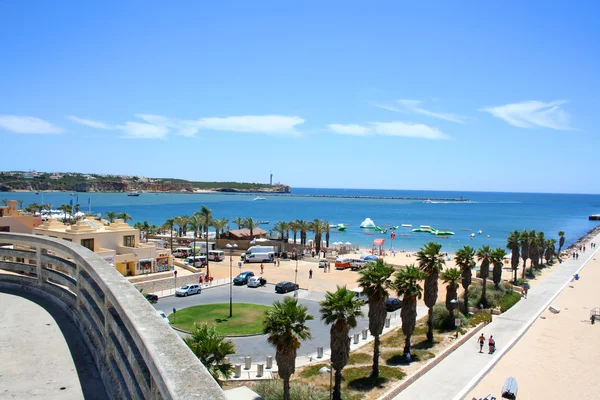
[
  {"x": 454, "y": 303},
  {"x": 230, "y": 247}
]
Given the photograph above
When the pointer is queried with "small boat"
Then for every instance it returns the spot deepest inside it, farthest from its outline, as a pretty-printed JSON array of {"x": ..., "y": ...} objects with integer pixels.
[
  {"x": 259, "y": 198},
  {"x": 406, "y": 225},
  {"x": 37, "y": 192},
  {"x": 479, "y": 232},
  {"x": 394, "y": 227},
  {"x": 134, "y": 194},
  {"x": 427, "y": 201},
  {"x": 263, "y": 222}
]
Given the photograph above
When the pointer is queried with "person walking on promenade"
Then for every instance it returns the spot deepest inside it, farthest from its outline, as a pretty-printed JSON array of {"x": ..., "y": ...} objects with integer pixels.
[
  {"x": 492, "y": 344},
  {"x": 481, "y": 341},
  {"x": 262, "y": 268},
  {"x": 310, "y": 274},
  {"x": 525, "y": 289}
]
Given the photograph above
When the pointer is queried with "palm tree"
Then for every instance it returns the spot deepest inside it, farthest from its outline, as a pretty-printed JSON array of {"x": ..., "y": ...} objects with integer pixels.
[
  {"x": 20, "y": 202},
  {"x": 407, "y": 285},
  {"x": 180, "y": 221},
  {"x": 524, "y": 241},
  {"x": 219, "y": 224},
  {"x": 540, "y": 242},
  {"x": 317, "y": 226},
  {"x": 431, "y": 261},
  {"x": 465, "y": 259},
  {"x": 281, "y": 228},
  {"x": 340, "y": 310},
  {"x": 5, "y": 202},
  {"x": 206, "y": 214},
  {"x": 550, "y": 248},
  {"x": 285, "y": 325},
  {"x": 111, "y": 215},
  {"x": 375, "y": 282},
  {"x": 169, "y": 224},
  {"x": 514, "y": 246},
  {"x": 293, "y": 225},
  {"x": 327, "y": 230},
  {"x": 497, "y": 259},
  {"x": 561, "y": 241},
  {"x": 533, "y": 250},
  {"x": 451, "y": 276},
  {"x": 484, "y": 254},
  {"x": 138, "y": 225},
  {"x": 303, "y": 227},
  {"x": 250, "y": 224},
  {"x": 239, "y": 221},
  {"x": 211, "y": 348},
  {"x": 66, "y": 209},
  {"x": 124, "y": 216},
  {"x": 195, "y": 224}
]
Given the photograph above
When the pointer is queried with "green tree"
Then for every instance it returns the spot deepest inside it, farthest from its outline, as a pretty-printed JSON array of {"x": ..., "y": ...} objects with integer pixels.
[
  {"x": 561, "y": 241},
  {"x": 431, "y": 261},
  {"x": 239, "y": 221},
  {"x": 285, "y": 325},
  {"x": 465, "y": 260},
  {"x": 303, "y": 227},
  {"x": 513, "y": 244},
  {"x": 450, "y": 277},
  {"x": 280, "y": 227},
  {"x": 5, "y": 202},
  {"x": 195, "y": 224},
  {"x": 375, "y": 281},
  {"x": 219, "y": 224},
  {"x": 250, "y": 224},
  {"x": 497, "y": 259},
  {"x": 169, "y": 224},
  {"x": 207, "y": 219},
  {"x": 484, "y": 255},
  {"x": 124, "y": 216},
  {"x": 524, "y": 241},
  {"x": 550, "y": 250},
  {"x": 340, "y": 310},
  {"x": 317, "y": 227},
  {"x": 110, "y": 215},
  {"x": 20, "y": 202},
  {"x": 181, "y": 222},
  {"x": 327, "y": 230},
  {"x": 211, "y": 348},
  {"x": 407, "y": 285}
]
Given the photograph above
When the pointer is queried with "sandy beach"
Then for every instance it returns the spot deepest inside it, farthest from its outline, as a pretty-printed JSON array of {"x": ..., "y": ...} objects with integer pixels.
[{"x": 555, "y": 358}]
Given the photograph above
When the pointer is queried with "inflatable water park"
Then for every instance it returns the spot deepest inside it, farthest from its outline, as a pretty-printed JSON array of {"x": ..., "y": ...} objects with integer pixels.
[{"x": 433, "y": 231}]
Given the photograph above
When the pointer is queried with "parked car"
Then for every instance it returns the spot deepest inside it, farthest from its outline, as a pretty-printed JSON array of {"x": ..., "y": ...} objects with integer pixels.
[
  {"x": 356, "y": 265},
  {"x": 242, "y": 278},
  {"x": 360, "y": 295},
  {"x": 392, "y": 304},
  {"x": 323, "y": 264},
  {"x": 285, "y": 287},
  {"x": 256, "y": 281},
  {"x": 187, "y": 290},
  {"x": 152, "y": 298},
  {"x": 164, "y": 317}
]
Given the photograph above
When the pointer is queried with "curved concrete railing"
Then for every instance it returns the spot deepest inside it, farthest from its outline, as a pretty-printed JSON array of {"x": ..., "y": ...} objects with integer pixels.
[{"x": 137, "y": 354}]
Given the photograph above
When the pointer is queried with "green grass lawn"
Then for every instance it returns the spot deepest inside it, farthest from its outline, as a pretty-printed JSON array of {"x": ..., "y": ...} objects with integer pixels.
[{"x": 247, "y": 318}]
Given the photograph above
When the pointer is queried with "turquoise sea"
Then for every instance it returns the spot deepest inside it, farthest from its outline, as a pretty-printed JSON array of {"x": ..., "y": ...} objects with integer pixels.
[{"x": 496, "y": 214}]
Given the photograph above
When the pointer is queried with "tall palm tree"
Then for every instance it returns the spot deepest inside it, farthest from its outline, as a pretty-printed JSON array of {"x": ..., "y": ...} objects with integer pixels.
[
  {"x": 303, "y": 227},
  {"x": 340, "y": 310},
  {"x": 317, "y": 227},
  {"x": 407, "y": 285},
  {"x": 169, "y": 224},
  {"x": 561, "y": 241},
  {"x": 285, "y": 325},
  {"x": 533, "y": 250},
  {"x": 514, "y": 246},
  {"x": 431, "y": 261},
  {"x": 180, "y": 221},
  {"x": 250, "y": 224},
  {"x": 465, "y": 260},
  {"x": 281, "y": 228},
  {"x": 20, "y": 202},
  {"x": 540, "y": 242},
  {"x": 550, "y": 249},
  {"x": 497, "y": 259},
  {"x": 375, "y": 282},
  {"x": 5, "y": 202},
  {"x": 239, "y": 221},
  {"x": 138, "y": 225},
  {"x": 124, "y": 216},
  {"x": 484, "y": 255},
  {"x": 111, "y": 215},
  {"x": 206, "y": 214},
  {"x": 524, "y": 241},
  {"x": 195, "y": 224},
  {"x": 219, "y": 224},
  {"x": 450, "y": 277},
  {"x": 293, "y": 225},
  {"x": 67, "y": 209},
  {"x": 327, "y": 230},
  {"x": 211, "y": 348}
]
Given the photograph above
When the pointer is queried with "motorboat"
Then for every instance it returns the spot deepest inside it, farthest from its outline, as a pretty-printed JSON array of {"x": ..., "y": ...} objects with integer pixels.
[
  {"x": 134, "y": 194},
  {"x": 427, "y": 201},
  {"x": 259, "y": 198}
]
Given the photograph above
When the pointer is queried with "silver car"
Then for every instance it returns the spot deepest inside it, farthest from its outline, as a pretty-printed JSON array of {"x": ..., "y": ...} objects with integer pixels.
[{"x": 187, "y": 290}]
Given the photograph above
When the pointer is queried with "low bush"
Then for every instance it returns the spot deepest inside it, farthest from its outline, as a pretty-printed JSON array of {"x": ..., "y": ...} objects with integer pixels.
[
  {"x": 312, "y": 370},
  {"x": 493, "y": 295},
  {"x": 480, "y": 316},
  {"x": 360, "y": 358},
  {"x": 520, "y": 282},
  {"x": 442, "y": 318},
  {"x": 509, "y": 300},
  {"x": 273, "y": 390}
]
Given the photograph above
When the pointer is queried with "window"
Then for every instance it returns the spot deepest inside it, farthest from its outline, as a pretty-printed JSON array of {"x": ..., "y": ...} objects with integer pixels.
[
  {"x": 88, "y": 243},
  {"x": 129, "y": 241},
  {"x": 4, "y": 228}
]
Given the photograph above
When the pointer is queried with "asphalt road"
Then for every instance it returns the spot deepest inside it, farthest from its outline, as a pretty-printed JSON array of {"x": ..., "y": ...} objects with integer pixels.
[{"x": 257, "y": 347}]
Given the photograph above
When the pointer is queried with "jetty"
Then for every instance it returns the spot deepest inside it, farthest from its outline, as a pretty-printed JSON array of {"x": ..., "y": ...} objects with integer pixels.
[{"x": 332, "y": 196}]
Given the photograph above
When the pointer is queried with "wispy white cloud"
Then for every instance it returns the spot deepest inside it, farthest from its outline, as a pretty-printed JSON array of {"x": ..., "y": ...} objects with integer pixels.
[
  {"x": 532, "y": 114},
  {"x": 91, "y": 123},
  {"x": 26, "y": 124},
  {"x": 158, "y": 126},
  {"x": 396, "y": 128},
  {"x": 415, "y": 107}
]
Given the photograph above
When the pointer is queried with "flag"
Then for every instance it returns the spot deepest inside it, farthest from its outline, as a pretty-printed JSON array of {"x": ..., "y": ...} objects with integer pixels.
[
  {"x": 71, "y": 202},
  {"x": 89, "y": 201}
]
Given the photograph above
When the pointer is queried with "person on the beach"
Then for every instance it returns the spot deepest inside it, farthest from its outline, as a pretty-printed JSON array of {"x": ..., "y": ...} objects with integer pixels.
[
  {"x": 593, "y": 319},
  {"x": 526, "y": 289},
  {"x": 481, "y": 341},
  {"x": 262, "y": 268},
  {"x": 492, "y": 344},
  {"x": 310, "y": 274}
]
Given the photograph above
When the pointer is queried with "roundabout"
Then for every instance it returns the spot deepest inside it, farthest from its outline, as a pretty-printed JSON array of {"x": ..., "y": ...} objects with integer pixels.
[{"x": 247, "y": 318}]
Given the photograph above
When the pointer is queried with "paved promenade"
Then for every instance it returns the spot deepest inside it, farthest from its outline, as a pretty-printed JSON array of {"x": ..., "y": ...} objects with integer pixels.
[
  {"x": 42, "y": 353},
  {"x": 454, "y": 377}
]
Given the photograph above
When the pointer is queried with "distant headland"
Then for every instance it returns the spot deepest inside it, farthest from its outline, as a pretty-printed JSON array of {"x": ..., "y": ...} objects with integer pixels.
[{"x": 31, "y": 181}]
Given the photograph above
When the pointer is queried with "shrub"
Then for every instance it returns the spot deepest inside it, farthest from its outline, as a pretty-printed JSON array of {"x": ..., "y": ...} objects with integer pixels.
[
  {"x": 481, "y": 316},
  {"x": 360, "y": 358},
  {"x": 494, "y": 295},
  {"x": 520, "y": 282},
  {"x": 273, "y": 390},
  {"x": 442, "y": 318},
  {"x": 312, "y": 370},
  {"x": 509, "y": 300}
]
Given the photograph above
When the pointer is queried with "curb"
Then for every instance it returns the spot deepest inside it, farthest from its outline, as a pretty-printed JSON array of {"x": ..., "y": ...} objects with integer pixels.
[{"x": 227, "y": 336}]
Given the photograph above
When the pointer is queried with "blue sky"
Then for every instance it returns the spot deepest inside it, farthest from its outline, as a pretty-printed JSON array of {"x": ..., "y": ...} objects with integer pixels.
[{"x": 464, "y": 95}]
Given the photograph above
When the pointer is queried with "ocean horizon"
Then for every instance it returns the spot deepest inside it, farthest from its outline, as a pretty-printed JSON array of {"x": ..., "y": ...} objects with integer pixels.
[{"x": 496, "y": 214}]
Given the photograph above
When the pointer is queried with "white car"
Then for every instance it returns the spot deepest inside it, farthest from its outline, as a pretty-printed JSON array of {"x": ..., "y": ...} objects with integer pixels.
[
  {"x": 163, "y": 316},
  {"x": 256, "y": 281},
  {"x": 187, "y": 290}
]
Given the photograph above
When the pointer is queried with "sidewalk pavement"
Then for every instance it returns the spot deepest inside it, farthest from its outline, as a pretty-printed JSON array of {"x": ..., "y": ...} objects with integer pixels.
[{"x": 455, "y": 376}]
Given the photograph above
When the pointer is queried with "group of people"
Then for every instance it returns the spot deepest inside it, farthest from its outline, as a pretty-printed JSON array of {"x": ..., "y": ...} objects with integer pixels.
[{"x": 491, "y": 344}]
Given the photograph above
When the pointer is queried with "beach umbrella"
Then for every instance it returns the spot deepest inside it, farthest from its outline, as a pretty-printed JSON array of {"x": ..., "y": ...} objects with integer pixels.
[
  {"x": 370, "y": 258},
  {"x": 348, "y": 244}
]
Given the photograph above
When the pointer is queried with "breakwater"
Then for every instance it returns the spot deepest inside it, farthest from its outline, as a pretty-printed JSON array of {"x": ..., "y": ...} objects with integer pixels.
[{"x": 330, "y": 196}]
